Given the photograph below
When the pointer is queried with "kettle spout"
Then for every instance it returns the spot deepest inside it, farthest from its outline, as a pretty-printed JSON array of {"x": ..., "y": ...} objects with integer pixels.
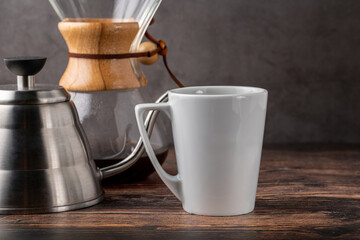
[{"x": 139, "y": 148}]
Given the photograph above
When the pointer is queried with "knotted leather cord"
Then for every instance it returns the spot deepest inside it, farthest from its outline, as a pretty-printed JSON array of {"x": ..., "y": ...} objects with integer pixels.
[{"x": 161, "y": 50}]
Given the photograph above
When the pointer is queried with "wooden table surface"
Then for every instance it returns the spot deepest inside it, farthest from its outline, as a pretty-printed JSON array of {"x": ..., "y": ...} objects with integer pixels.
[{"x": 304, "y": 192}]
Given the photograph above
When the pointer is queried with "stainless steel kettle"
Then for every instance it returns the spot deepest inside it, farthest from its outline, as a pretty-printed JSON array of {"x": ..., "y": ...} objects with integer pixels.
[{"x": 45, "y": 159}]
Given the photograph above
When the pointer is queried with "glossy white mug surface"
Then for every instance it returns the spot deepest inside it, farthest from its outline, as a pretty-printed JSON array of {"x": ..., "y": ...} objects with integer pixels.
[{"x": 218, "y": 135}]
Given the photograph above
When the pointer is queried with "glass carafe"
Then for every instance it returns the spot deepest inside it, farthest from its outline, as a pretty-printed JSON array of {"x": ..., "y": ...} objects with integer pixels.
[{"x": 105, "y": 91}]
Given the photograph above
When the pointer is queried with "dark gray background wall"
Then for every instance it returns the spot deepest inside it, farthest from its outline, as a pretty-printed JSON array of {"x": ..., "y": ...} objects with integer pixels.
[{"x": 305, "y": 52}]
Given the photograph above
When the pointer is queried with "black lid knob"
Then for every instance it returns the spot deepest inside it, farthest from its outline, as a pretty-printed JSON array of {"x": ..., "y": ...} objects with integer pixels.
[{"x": 25, "y": 66}]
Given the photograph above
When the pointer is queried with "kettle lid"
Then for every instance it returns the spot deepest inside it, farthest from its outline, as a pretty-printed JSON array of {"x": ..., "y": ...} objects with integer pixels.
[{"x": 25, "y": 92}]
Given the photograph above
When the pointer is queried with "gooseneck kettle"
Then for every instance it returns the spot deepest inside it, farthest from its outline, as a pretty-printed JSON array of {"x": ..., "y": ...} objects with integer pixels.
[{"x": 45, "y": 159}]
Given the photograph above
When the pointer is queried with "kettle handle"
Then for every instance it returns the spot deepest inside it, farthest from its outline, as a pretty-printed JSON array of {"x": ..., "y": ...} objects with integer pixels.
[{"x": 139, "y": 149}]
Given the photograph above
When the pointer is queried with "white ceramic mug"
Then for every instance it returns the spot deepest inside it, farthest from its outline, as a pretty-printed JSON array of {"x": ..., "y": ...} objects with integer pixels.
[{"x": 218, "y": 135}]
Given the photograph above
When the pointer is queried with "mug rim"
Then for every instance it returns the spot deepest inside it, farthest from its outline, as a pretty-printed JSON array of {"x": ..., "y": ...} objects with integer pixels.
[{"x": 255, "y": 91}]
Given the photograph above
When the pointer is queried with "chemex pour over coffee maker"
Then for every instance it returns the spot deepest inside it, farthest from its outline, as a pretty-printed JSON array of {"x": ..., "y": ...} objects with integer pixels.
[
  {"x": 104, "y": 77},
  {"x": 45, "y": 159}
]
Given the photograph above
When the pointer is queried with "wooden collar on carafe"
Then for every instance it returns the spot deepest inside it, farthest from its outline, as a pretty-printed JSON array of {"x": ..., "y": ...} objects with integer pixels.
[{"x": 161, "y": 49}]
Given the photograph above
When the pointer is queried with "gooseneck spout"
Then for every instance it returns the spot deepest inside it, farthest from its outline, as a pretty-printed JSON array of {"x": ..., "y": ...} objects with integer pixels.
[{"x": 139, "y": 148}]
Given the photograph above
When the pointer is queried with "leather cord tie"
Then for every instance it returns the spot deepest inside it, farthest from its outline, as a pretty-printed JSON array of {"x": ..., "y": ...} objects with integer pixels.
[{"x": 161, "y": 50}]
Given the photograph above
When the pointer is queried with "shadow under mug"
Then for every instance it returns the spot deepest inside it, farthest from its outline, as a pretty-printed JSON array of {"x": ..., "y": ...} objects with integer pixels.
[{"x": 218, "y": 135}]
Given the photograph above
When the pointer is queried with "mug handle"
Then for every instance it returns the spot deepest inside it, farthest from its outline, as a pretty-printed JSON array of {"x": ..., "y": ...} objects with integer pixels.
[{"x": 173, "y": 182}]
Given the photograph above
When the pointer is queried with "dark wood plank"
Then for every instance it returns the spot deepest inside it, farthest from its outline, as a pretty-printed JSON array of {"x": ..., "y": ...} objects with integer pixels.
[{"x": 305, "y": 192}]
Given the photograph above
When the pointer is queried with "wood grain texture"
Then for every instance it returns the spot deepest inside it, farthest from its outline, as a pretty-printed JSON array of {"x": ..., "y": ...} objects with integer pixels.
[
  {"x": 99, "y": 36},
  {"x": 305, "y": 192}
]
